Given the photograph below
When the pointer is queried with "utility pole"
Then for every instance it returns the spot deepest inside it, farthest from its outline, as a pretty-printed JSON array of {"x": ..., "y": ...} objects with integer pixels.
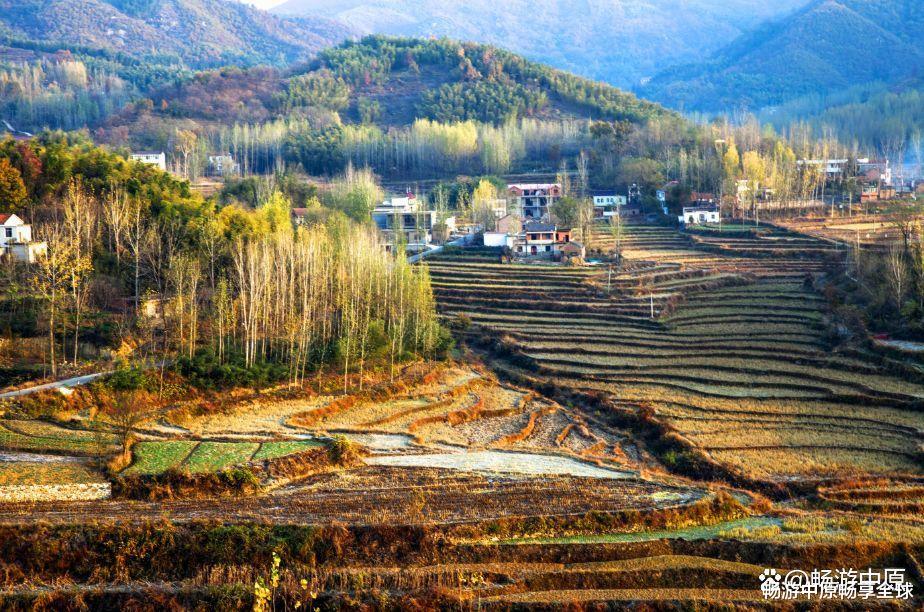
[{"x": 651, "y": 298}]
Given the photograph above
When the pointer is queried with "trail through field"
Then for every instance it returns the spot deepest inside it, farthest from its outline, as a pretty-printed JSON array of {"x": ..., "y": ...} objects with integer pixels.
[
  {"x": 699, "y": 532},
  {"x": 15, "y": 457},
  {"x": 503, "y": 462}
]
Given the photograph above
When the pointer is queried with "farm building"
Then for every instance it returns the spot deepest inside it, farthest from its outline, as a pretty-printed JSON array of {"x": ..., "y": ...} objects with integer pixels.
[
  {"x": 693, "y": 215},
  {"x": 16, "y": 240},
  {"x": 572, "y": 251},
  {"x": 158, "y": 160},
  {"x": 299, "y": 216},
  {"x": 509, "y": 224},
  {"x": 533, "y": 200},
  {"x": 538, "y": 238},
  {"x": 499, "y": 239}
]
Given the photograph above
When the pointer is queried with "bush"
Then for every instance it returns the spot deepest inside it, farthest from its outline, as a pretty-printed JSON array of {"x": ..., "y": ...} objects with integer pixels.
[
  {"x": 205, "y": 371},
  {"x": 127, "y": 379}
]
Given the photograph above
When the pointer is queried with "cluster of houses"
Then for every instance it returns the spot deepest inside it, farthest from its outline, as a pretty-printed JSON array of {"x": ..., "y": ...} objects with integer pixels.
[{"x": 877, "y": 178}]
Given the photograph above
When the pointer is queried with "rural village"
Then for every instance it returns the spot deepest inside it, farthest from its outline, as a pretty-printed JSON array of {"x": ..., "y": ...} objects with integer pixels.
[{"x": 418, "y": 324}]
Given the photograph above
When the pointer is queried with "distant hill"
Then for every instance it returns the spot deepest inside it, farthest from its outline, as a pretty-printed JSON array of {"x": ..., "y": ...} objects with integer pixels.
[
  {"x": 827, "y": 46},
  {"x": 392, "y": 82},
  {"x": 619, "y": 41},
  {"x": 200, "y": 33}
]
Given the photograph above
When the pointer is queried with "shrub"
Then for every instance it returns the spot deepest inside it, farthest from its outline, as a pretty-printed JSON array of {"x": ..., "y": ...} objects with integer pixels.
[
  {"x": 127, "y": 379},
  {"x": 341, "y": 450}
]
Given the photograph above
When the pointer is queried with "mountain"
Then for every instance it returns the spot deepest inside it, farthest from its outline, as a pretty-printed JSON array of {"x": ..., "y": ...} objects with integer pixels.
[
  {"x": 825, "y": 47},
  {"x": 619, "y": 41},
  {"x": 390, "y": 82},
  {"x": 201, "y": 33}
]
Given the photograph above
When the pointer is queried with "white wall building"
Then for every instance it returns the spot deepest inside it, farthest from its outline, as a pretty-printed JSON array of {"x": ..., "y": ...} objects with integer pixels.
[
  {"x": 222, "y": 165},
  {"x": 499, "y": 239},
  {"x": 153, "y": 159},
  {"x": 698, "y": 215},
  {"x": 16, "y": 239},
  {"x": 608, "y": 205}
]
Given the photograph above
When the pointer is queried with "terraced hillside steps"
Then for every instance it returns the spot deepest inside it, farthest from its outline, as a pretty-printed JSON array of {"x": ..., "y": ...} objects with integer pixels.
[{"x": 740, "y": 364}]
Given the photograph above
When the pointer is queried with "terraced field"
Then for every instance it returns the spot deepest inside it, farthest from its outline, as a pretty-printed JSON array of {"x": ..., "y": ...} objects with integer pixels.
[
  {"x": 155, "y": 457},
  {"x": 736, "y": 359}
]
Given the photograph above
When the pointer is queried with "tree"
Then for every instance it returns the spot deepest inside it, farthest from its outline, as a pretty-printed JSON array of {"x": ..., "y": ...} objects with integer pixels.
[
  {"x": 897, "y": 271},
  {"x": 13, "y": 193},
  {"x": 355, "y": 193},
  {"x": 52, "y": 278},
  {"x": 126, "y": 411},
  {"x": 566, "y": 211},
  {"x": 186, "y": 145},
  {"x": 484, "y": 198}
]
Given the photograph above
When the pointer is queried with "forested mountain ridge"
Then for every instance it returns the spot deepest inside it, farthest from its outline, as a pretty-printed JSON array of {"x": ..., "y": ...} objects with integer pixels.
[
  {"x": 619, "y": 41},
  {"x": 391, "y": 82},
  {"x": 199, "y": 33},
  {"x": 381, "y": 102},
  {"x": 825, "y": 47}
]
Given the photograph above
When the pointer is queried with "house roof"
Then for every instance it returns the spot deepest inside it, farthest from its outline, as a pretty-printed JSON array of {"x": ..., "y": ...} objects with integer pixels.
[
  {"x": 533, "y": 185},
  {"x": 572, "y": 246},
  {"x": 299, "y": 212},
  {"x": 535, "y": 226},
  {"x": 7, "y": 217}
]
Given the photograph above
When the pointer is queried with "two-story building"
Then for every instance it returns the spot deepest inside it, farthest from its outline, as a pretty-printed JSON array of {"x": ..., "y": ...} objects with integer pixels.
[
  {"x": 403, "y": 220},
  {"x": 608, "y": 205},
  {"x": 538, "y": 238},
  {"x": 532, "y": 200}
]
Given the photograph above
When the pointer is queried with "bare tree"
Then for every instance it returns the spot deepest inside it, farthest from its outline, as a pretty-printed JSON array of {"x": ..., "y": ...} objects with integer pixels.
[{"x": 897, "y": 270}]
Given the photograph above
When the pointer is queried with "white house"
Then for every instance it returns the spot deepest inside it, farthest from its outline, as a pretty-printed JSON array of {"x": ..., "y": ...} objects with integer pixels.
[
  {"x": 403, "y": 219},
  {"x": 499, "y": 239},
  {"x": 222, "y": 165},
  {"x": 153, "y": 159},
  {"x": 698, "y": 215},
  {"x": 608, "y": 205},
  {"x": 16, "y": 239}
]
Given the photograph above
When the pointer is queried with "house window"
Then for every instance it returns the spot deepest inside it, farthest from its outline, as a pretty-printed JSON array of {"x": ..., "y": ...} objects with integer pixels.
[
  {"x": 547, "y": 249},
  {"x": 9, "y": 232}
]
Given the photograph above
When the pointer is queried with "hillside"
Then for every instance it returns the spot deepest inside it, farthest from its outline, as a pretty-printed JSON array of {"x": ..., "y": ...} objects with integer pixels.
[
  {"x": 201, "y": 33},
  {"x": 619, "y": 41},
  {"x": 407, "y": 107},
  {"x": 827, "y": 46},
  {"x": 392, "y": 82}
]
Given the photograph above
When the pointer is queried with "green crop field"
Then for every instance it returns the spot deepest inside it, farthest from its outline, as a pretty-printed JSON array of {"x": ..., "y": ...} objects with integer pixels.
[
  {"x": 215, "y": 456},
  {"x": 157, "y": 457},
  {"x": 273, "y": 450}
]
